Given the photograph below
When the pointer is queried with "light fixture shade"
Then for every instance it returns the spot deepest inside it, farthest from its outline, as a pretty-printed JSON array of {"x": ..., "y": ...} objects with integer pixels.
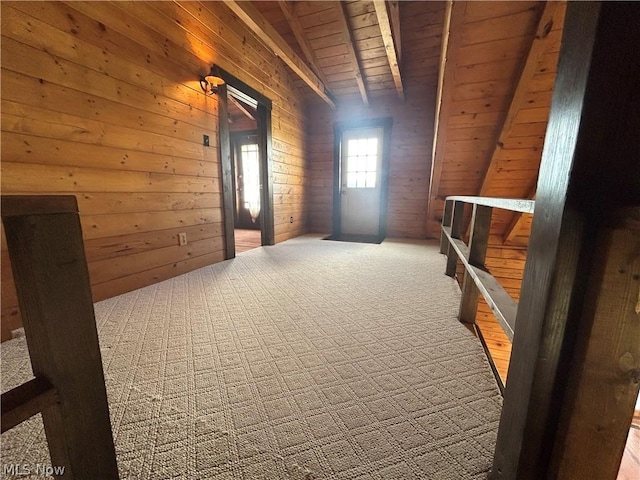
[{"x": 210, "y": 83}]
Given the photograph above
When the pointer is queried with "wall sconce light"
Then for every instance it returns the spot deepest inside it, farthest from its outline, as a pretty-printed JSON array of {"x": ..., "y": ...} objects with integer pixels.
[{"x": 210, "y": 83}]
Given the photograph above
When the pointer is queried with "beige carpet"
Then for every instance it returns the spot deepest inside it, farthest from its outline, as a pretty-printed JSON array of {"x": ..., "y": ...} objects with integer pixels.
[{"x": 307, "y": 360}]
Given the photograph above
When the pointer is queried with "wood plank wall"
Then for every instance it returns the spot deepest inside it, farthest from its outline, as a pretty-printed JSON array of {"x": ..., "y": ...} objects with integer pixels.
[
  {"x": 412, "y": 131},
  {"x": 487, "y": 51},
  {"x": 516, "y": 177},
  {"x": 102, "y": 100},
  {"x": 408, "y": 169}
]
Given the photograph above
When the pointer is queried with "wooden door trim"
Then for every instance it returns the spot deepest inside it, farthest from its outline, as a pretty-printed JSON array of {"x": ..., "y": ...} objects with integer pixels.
[
  {"x": 263, "y": 121},
  {"x": 338, "y": 129},
  {"x": 227, "y": 173}
]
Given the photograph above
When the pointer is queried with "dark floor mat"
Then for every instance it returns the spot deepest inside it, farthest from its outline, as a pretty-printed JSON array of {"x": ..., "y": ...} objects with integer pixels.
[{"x": 356, "y": 238}]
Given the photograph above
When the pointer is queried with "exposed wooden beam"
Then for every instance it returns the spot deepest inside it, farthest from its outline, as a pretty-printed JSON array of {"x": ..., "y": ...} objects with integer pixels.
[
  {"x": 516, "y": 222},
  {"x": 538, "y": 44},
  {"x": 514, "y": 227},
  {"x": 261, "y": 27},
  {"x": 347, "y": 36},
  {"x": 451, "y": 41},
  {"x": 394, "y": 14},
  {"x": 241, "y": 107},
  {"x": 389, "y": 44},
  {"x": 289, "y": 13}
]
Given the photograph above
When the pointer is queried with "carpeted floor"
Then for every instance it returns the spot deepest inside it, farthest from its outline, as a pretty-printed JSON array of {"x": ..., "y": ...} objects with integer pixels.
[{"x": 306, "y": 360}]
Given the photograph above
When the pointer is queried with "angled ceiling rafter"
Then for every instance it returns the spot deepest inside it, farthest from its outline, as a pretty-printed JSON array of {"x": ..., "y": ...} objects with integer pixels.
[
  {"x": 389, "y": 44},
  {"x": 241, "y": 107},
  {"x": 347, "y": 36},
  {"x": 451, "y": 42},
  {"x": 516, "y": 223},
  {"x": 394, "y": 15},
  {"x": 254, "y": 20},
  {"x": 529, "y": 67}
]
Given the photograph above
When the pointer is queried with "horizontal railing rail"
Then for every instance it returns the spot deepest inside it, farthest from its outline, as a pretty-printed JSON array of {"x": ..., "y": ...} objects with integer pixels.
[
  {"x": 477, "y": 279},
  {"x": 513, "y": 204}
]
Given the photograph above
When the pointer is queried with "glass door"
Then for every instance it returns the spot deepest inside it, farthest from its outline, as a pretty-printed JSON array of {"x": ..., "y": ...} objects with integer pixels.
[{"x": 247, "y": 173}]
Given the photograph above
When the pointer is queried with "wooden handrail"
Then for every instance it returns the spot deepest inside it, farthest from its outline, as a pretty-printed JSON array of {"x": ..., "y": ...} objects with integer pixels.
[
  {"x": 477, "y": 278},
  {"x": 513, "y": 204}
]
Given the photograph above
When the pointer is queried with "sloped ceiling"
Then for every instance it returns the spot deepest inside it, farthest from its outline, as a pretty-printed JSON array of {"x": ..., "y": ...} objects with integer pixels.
[
  {"x": 358, "y": 49},
  {"x": 496, "y": 93},
  {"x": 496, "y": 77}
]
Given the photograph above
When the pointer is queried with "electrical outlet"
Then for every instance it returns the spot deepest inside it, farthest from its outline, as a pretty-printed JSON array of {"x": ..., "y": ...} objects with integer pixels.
[
  {"x": 290, "y": 219},
  {"x": 182, "y": 238},
  {"x": 205, "y": 140}
]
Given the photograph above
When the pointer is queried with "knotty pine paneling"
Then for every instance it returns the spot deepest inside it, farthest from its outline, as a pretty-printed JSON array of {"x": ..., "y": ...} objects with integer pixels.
[
  {"x": 486, "y": 53},
  {"x": 490, "y": 46},
  {"x": 409, "y": 167},
  {"x": 412, "y": 130},
  {"x": 102, "y": 101}
]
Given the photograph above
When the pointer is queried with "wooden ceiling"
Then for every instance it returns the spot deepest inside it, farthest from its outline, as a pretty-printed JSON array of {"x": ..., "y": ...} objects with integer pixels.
[
  {"x": 352, "y": 49},
  {"x": 240, "y": 112}
]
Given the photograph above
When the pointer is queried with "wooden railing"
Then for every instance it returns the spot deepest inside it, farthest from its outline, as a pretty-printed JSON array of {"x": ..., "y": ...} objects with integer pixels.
[
  {"x": 477, "y": 279},
  {"x": 44, "y": 239}
]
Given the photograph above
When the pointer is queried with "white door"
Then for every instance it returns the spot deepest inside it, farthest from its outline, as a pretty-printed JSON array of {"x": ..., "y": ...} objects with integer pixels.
[{"x": 361, "y": 160}]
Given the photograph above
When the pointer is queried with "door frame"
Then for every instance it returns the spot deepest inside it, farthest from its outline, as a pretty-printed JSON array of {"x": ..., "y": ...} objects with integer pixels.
[
  {"x": 338, "y": 129},
  {"x": 263, "y": 120}
]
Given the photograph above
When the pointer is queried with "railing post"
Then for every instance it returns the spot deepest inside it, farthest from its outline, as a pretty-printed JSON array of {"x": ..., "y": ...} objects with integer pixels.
[
  {"x": 446, "y": 222},
  {"x": 44, "y": 239},
  {"x": 478, "y": 241},
  {"x": 456, "y": 230}
]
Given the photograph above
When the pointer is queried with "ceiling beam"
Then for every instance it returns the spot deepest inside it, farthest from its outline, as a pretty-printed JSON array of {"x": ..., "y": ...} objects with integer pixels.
[
  {"x": 394, "y": 14},
  {"x": 288, "y": 10},
  {"x": 538, "y": 45},
  {"x": 514, "y": 227},
  {"x": 267, "y": 34},
  {"x": 389, "y": 44},
  {"x": 347, "y": 36},
  {"x": 451, "y": 42},
  {"x": 241, "y": 107},
  {"x": 516, "y": 222}
]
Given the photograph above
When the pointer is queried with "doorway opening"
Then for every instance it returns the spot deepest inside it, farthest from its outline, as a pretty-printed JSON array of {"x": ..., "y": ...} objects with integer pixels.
[
  {"x": 245, "y": 161},
  {"x": 360, "y": 180},
  {"x": 244, "y": 117}
]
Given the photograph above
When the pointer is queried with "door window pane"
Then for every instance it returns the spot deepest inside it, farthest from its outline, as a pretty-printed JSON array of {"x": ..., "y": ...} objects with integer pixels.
[
  {"x": 251, "y": 179},
  {"x": 362, "y": 162}
]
